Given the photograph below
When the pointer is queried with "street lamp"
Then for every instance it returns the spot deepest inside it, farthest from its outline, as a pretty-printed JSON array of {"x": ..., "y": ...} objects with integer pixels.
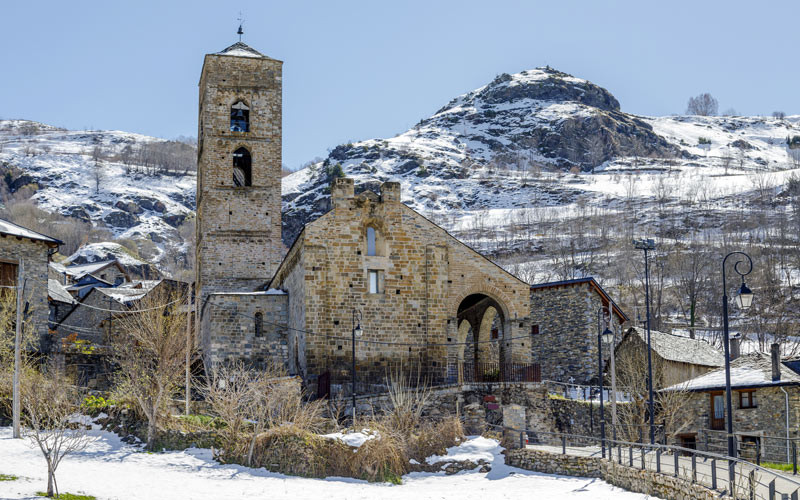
[
  {"x": 357, "y": 332},
  {"x": 743, "y": 299},
  {"x": 604, "y": 337},
  {"x": 646, "y": 245}
]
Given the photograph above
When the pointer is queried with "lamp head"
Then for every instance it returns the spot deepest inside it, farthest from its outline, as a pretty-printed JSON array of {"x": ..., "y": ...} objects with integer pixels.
[
  {"x": 744, "y": 299},
  {"x": 607, "y": 336},
  {"x": 358, "y": 331}
]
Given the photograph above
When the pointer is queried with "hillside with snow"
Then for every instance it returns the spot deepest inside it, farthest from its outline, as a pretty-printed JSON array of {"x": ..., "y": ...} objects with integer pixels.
[{"x": 111, "y": 179}]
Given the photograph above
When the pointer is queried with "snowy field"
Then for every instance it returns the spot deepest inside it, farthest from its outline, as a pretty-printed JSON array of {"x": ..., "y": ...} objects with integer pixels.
[{"x": 109, "y": 469}]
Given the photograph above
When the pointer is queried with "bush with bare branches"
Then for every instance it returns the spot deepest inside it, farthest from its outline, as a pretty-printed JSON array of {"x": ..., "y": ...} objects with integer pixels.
[{"x": 151, "y": 352}]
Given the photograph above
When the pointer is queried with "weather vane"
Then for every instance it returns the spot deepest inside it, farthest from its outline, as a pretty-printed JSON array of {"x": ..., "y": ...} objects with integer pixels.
[{"x": 241, "y": 22}]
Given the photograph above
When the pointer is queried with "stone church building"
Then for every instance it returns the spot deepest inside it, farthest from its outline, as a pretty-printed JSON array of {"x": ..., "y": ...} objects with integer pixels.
[{"x": 424, "y": 300}]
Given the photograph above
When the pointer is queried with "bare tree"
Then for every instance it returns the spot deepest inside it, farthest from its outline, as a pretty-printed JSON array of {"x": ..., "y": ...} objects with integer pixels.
[
  {"x": 51, "y": 408},
  {"x": 779, "y": 115},
  {"x": 151, "y": 352},
  {"x": 702, "y": 105},
  {"x": 727, "y": 159},
  {"x": 98, "y": 174}
]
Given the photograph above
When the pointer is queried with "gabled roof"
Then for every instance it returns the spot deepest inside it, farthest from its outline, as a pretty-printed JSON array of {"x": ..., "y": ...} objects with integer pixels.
[
  {"x": 594, "y": 284},
  {"x": 748, "y": 371},
  {"x": 681, "y": 349},
  {"x": 57, "y": 292},
  {"x": 8, "y": 228},
  {"x": 78, "y": 271},
  {"x": 240, "y": 49}
]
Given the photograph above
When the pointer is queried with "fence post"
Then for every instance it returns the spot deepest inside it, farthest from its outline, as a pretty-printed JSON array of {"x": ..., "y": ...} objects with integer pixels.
[
  {"x": 794, "y": 495},
  {"x": 758, "y": 452},
  {"x": 732, "y": 476},
  {"x": 658, "y": 460},
  {"x": 563, "y": 445},
  {"x": 630, "y": 455},
  {"x": 619, "y": 453},
  {"x": 751, "y": 479},
  {"x": 677, "y": 465},
  {"x": 794, "y": 457},
  {"x": 521, "y": 440},
  {"x": 694, "y": 468},
  {"x": 772, "y": 490},
  {"x": 713, "y": 473},
  {"x": 643, "y": 467}
]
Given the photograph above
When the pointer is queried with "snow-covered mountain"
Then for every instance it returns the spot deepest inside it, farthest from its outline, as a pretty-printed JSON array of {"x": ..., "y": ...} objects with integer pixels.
[
  {"x": 542, "y": 138},
  {"x": 127, "y": 183}
]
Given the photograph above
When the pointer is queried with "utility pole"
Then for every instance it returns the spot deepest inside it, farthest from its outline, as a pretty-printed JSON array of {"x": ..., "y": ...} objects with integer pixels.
[
  {"x": 17, "y": 351},
  {"x": 188, "y": 346},
  {"x": 613, "y": 384}
]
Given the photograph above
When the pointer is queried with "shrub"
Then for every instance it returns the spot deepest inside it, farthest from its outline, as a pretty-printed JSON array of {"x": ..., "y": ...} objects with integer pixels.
[
  {"x": 290, "y": 449},
  {"x": 435, "y": 438},
  {"x": 380, "y": 459},
  {"x": 703, "y": 140}
]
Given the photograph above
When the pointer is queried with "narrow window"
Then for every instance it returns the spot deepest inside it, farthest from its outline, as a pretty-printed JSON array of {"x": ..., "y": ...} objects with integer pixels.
[
  {"x": 259, "y": 324},
  {"x": 534, "y": 329},
  {"x": 240, "y": 117},
  {"x": 495, "y": 333},
  {"x": 241, "y": 168},
  {"x": 373, "y": 282},
  {"x": 371, "y": 241}
]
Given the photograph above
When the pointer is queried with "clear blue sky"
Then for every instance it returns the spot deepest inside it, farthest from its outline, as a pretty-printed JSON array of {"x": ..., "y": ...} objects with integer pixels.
[{"x": 355, "y": 70}]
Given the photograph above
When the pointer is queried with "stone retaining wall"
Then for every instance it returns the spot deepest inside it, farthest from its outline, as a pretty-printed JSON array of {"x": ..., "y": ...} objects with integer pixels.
[{"x": 629, "y": 478}]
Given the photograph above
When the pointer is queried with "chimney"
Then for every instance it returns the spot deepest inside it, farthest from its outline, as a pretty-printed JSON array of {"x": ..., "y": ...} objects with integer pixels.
[
  {"x": 775, "y": 350},
  {"x": 390, "y": 191},
  {"x": 735, "y": 344},
  {"x": 342, "y": 190}
]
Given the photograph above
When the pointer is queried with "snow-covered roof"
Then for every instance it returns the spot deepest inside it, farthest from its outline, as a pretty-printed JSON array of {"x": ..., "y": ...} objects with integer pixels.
[
  {"x": 750, "y": 370},
  {"x": 240, "y": 49},
  {"x": 8, "y": 228},
  {"x": 681, "y": 349},
  {"x": 59, "y": 268},
  {"x": 56, "y": 291},
  {"x": 80, "y": 270}
]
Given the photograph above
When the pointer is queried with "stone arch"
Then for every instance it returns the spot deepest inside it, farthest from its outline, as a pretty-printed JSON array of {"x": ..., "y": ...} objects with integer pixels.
[
  {"x": 483, "y": 313},
  {"x": 240, "y": 116},
  {"x": 463, "y": 337},
  {"x": 242, "y": 167},
  {"x": 488, "y": 290}
]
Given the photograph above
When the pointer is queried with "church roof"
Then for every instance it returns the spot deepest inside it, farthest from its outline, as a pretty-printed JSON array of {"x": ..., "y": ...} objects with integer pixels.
[{"x": 240, "y": 49}]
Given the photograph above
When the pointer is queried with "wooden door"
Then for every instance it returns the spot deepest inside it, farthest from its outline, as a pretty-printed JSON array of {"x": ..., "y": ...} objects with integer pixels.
[{"x": 717, "y": 411}]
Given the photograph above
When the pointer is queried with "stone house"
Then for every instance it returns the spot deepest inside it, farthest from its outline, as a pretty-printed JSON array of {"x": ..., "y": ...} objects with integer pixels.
[
  {"x": 766, "y": 407},
  {"x": 32, "y": 250},
  {"x": 676, "y": 358},
  {"x": 81, "y": 341},
  {"x": 109, "y": 271},
  {"x": 61, "y": 302},
  {"x": 565, "y": 321}
]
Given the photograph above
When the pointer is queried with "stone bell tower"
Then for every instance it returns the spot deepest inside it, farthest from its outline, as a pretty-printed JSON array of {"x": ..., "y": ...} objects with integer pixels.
[{"x": 238, "y": 239}]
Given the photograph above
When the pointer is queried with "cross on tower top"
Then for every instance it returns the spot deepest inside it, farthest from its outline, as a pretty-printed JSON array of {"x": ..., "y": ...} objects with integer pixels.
[{"x": 240, "y": 32}]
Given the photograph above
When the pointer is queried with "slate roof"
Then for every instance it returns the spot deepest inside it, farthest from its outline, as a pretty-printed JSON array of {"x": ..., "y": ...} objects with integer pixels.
[
  {"x": 8, "y": 228},
  {"x": 748, "y": 371},
  {"x": 80, "y": 270},
  {"x": 681, "y": 349},
  {"x": 56, "y": 291},
  {"x": 240, "y": 49}
]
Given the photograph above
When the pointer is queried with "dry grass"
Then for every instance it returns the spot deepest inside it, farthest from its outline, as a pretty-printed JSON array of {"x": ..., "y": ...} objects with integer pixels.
[{"x": 434, "y": 438}]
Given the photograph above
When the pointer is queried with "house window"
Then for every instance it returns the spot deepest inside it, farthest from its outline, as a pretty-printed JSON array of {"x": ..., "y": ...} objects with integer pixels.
[
  {"x": 717, "y": 411},
  {"x": 747, "y": 399},
  {"x": 8, "y": 274},
  {"x": 371, "y": 241},
  {"x": 534, "y": 329},
  {"x": 374, "y": 282},
  {"x": 241, "y": 168},
  {"x": 240, "y": 117}
]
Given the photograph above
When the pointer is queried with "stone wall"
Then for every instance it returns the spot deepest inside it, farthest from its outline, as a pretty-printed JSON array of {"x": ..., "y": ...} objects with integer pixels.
[
  {"x": 566, "y": 345},
  {"x": 233, "y": 316},
  {"x": 424, "y": 275},
  {"x": 629, "y": 478},
  {"x": 34, "y": 255}
]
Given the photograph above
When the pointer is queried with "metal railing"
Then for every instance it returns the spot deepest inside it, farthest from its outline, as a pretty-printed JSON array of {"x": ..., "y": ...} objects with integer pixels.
[
  {"x": 735, "y": 477},
  {"x": 462, "y": 372},
  {"x": 753, "y": 447}
]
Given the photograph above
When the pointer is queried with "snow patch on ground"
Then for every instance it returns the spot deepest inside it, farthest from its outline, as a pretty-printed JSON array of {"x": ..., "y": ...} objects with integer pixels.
[{"x": 110, "y": 469}]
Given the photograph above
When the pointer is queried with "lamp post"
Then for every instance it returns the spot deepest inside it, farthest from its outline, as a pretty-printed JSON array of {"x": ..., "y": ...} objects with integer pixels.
[
  {"x": 646, "y": 245},
  {"x": 744, "y": 298},
  {"x": 604, "y": 336},
  {"x": 357, "y": 331}
]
